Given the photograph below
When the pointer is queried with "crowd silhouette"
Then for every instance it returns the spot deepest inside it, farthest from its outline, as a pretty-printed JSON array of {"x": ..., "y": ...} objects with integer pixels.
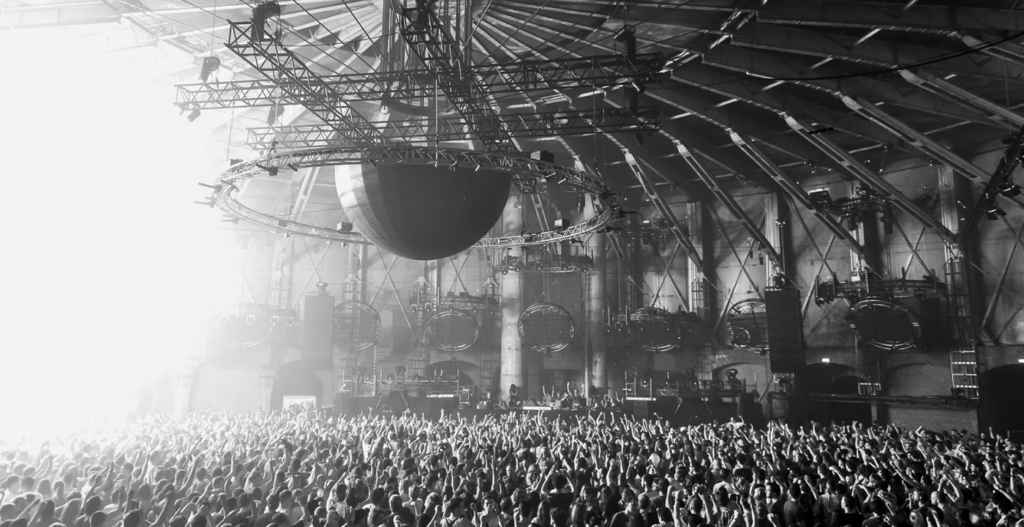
[{"x": 301, "y": 468}]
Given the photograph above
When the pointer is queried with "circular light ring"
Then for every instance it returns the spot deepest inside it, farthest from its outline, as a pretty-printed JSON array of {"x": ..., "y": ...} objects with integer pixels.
[
  {"x": 356, "y": 324},
  {"x": 900, "y": 313},
  {"x": 227, "y": 185},
  {"x": 656, "y": 330},
  {"x": 540, "y": 317},
  {"x": 443, "y": 330},
  {"x": 747, "y": 325}
]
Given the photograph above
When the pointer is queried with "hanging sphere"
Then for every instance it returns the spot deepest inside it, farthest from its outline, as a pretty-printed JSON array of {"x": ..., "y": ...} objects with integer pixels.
[{"x": 421, "y": 212}]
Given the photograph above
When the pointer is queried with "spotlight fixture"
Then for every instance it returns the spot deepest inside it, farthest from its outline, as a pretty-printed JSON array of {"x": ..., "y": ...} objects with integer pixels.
[
  {"x": 820, "y": 198},
  {"x": 1009, "y": 189},
  {"x": 210, "y": 65},
  {"x": 561, "y": 224},
  {"x": 193, "y": 115},
  {"x": 321, "y": 287},
  {"x": 627, "y": 35},
  {"x": 276, "y": 111},
  {"x": 992, "y": 212}
]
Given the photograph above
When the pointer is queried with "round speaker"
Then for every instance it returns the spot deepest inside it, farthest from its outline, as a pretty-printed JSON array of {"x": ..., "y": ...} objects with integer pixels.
[
  {"x": 884, "y": 324},
  {"x": 655, "y": 329},
  {"x": 546, "y": 327},
  {"x": 452, "y": 330},
  {"x": 748, "y": 325},
  {"x": 356, "y": 326}
]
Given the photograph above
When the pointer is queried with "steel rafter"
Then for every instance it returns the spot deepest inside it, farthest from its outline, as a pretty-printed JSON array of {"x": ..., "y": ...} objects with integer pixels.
[
  {"x": 566, "y": 122},
  {"x": 277, "y": 62},
  {"x": 869, "y": 178},
  {"x": 524, "y": 75},
  {"x": 914, "y": 137},
  {"x": 726, "y": 199},
  {"x": 793, "y": 189},
  {"x": 680, "y": 234},
  {"x": 429, "y": 41},
  {"x": 944, "y": 88}
]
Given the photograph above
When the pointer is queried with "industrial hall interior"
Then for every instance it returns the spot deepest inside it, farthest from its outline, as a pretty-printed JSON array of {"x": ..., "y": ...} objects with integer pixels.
[{"x": 689, "y": 210}]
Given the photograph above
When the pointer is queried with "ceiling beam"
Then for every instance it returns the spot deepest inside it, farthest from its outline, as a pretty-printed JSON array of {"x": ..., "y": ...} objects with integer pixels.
[
  {"x": 944, "y": 88},
  {"x": 774, "y": 67},
  {"x": 872, "y": 180},
  {"x": 755, "y": 231},
  {"x": 797, "y": 192},
  {"x": 873, "y": 52}
]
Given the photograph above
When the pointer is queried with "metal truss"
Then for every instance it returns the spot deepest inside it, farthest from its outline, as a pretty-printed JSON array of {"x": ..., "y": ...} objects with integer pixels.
[
  {"x": 566, "y": 122},
  {"x": 524, "y": 75},
  {"x": 428, "y": 39},
  {"x": 276, "y": 62},
  {"x": 227, "y": 185}
]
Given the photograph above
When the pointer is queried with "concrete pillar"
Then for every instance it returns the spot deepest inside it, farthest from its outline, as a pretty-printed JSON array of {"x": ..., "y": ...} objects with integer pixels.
[
  {"x": 511, "y": 306},
  {"x": 594, "y": 346}
]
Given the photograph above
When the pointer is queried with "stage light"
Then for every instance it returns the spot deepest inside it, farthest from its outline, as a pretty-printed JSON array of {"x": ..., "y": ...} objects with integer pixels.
[
  {"x": 1009, "y": 190},
  {"x": 826, "y": 360},
  {"x": 561, "y": 224},
  {"x": 820, "y": 198},
  {"x": 193, "y": 115},
  {"x": 992, "y": 212},
  {"x": 276, "y": 111},
  {"x": 1020, "y": 361},
  {"x": 625, "y": 33},
  {"x": 321, "y": 287},
  {"x": 210, "y": 65}
]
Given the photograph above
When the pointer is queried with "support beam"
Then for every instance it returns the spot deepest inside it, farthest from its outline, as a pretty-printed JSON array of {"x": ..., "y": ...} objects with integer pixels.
[
  {"x": 774, "y": 66},
  {"x": 876, "y": 52},
  {"x": 869, "y": 178},
  {"x": 520, "y": 125},
  {"x": 677, "y": 229},
  {"x": 726, "y": 199},
  {"x": 942, "y": 87},
  {"x": 794, "y": 190},
  {"x": 924, "y": 143}
]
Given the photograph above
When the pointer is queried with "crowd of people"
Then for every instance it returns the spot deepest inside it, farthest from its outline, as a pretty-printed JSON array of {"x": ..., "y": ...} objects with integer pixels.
[{"x": 304, "y": 469}]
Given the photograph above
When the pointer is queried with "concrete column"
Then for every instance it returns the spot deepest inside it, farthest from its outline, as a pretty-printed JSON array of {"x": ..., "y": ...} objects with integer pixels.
[
  {"x": 595, "y": 348},
  {"x": 511, "y": 306}
]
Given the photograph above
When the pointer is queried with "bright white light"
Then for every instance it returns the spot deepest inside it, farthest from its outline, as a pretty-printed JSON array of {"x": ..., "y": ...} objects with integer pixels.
[
  {"x": 111, "y": 260},
  {"x": 826, "y": 360},
  {"x": 1020, "y": 361}
]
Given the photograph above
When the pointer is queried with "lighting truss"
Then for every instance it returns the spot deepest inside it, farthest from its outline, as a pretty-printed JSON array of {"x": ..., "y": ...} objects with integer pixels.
[
  {"x": 862, "y": 286},
  {"x": 304, "y": 86},
  {"x": 603, "y": 71},
  {"x": 567, "y": 122},
  {"x": 428, "y": 39},
  {"x": 229, "y": 181}
]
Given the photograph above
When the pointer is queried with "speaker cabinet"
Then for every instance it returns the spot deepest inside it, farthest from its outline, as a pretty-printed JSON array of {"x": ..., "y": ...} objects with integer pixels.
[
  {"x": 785, "y": 330},
  {"x": 317, "y": 327}
]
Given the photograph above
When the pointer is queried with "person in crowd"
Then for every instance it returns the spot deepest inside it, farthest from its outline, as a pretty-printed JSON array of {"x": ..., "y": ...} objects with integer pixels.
[{"x": 508, "y": 469}]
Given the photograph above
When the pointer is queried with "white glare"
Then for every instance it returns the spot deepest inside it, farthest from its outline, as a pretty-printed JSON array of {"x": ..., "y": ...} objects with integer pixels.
[{"x": 113, "y": 269}]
